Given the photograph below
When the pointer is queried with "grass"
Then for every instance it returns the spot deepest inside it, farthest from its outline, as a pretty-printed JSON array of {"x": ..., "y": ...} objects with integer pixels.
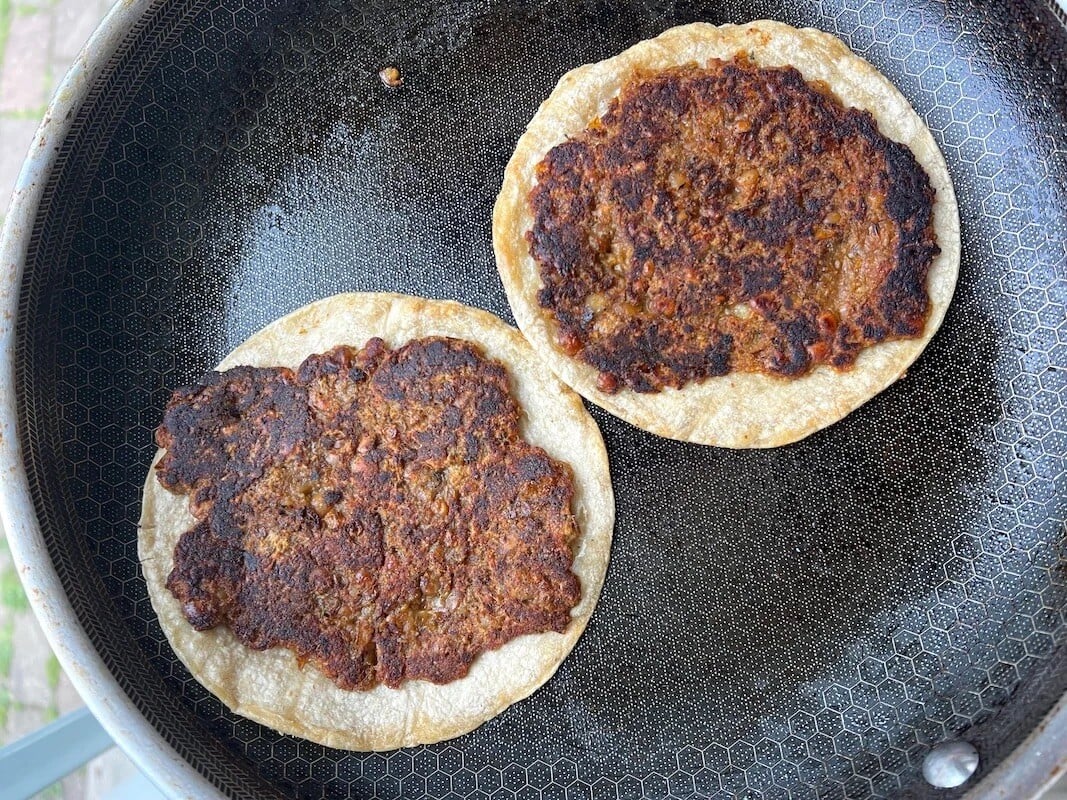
[
  {"x": 5, "y": 706},
  {"x": 52, "y": 671},
  {"x": 24, "y": 113},
  {"x": 21, "y": 8},
  {"x": 12, "y": 595},
  {"x": 7, "y": 647},
  {"x": 5, "y": 26},
  {"x": 8, "y": 11}
]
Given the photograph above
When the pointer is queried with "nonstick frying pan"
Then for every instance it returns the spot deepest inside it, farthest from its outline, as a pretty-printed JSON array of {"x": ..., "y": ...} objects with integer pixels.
[{"x": 808, "y": 621}]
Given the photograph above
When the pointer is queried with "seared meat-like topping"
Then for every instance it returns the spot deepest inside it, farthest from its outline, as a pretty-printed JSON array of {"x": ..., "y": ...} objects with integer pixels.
[
  {"x": 729, "y": 218},
  {"x": 377, "y": 511}
]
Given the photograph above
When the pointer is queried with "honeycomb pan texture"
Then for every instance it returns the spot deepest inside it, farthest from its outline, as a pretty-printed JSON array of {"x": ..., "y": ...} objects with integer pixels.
[{"x": 795, "y": 623}]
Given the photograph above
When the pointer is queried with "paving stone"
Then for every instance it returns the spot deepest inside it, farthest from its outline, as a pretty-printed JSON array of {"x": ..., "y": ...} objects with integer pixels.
[
  {"x": 107, "y": 771},
  {"x": 29, "y": 680},
  {"x": 15, "y": 137},
  {"x": 74, "y": 786},
  {"x": 23, "y": 720},
  {"x": 66, "y": 696},
  {"x": 73, "y": 22},
  {"x": 22, "y": 75}
]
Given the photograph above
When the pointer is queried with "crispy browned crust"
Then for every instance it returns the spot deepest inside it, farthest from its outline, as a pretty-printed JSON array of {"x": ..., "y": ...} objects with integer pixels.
[
  {"x": 375, "y": 511},
  {"x": 270, "y": 686},
  {"x": 729, "y": 218},
  {"x": 733, "y": 410}
]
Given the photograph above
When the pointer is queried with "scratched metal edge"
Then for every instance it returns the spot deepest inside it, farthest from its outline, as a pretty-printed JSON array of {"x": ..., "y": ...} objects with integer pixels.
[
  {"x": 1032, "y": 767},
  {"x": 1029, "y": 770},
  {"x": 77, "y": 155},
  {"x": 101, "y": 691}
]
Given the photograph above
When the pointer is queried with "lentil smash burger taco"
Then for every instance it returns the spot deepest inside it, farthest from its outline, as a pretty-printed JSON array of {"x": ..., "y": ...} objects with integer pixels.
[
  {"x": 379, "y": 524},
  {"x": 730, "y": 235}
]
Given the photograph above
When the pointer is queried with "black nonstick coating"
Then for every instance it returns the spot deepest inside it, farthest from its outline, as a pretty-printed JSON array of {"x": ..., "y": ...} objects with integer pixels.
[{"x": 791, "y": 623}]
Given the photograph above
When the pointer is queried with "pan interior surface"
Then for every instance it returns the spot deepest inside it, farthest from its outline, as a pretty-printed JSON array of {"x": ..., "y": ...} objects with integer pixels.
[{"x": 792, "y": 623}]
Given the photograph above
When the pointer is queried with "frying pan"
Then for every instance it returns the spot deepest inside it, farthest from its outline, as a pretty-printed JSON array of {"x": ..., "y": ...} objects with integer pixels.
[{"x": 808, "y": 621}]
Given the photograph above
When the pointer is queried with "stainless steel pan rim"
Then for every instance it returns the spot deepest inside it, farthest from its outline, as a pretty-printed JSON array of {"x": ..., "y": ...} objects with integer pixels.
[
  {"x": 97, "y": 686},
  {"x": 1027, "y": 772}
]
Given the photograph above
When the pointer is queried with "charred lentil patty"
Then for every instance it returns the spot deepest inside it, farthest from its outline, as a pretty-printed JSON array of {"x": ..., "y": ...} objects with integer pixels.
[
  {"x": 729, "y": 218},
  {"x": 377, "y": 511}
]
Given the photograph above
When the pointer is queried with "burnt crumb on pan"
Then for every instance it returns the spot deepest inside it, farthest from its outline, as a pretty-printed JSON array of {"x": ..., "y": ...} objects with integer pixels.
[
  {"x": 729, "y": 218},
  {"x": 391, "y": 77},
  {"x": 376, "y": 511}
]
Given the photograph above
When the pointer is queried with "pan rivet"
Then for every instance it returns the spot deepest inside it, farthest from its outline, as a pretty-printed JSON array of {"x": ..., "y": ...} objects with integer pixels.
[{"x": 950, "y": 764}]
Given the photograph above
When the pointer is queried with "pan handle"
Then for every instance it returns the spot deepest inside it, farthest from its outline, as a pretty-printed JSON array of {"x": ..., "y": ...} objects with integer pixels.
[{"x": 50, "y": 754}]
